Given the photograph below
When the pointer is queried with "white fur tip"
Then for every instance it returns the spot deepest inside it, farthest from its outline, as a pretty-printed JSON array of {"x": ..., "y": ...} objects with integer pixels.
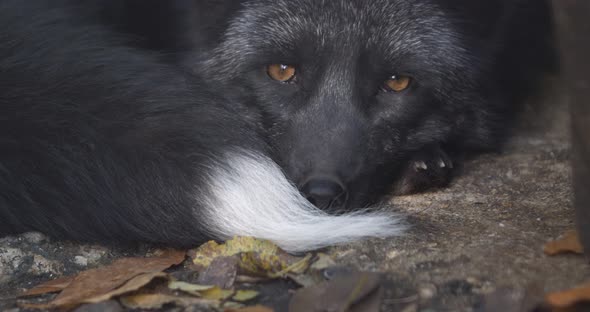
[{"x": 250, "y": 196}]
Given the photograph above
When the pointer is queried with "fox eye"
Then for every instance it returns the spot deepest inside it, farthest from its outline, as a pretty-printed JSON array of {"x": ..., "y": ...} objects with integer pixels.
[
  {"x": 397, "y": 83},
  {"x": 281, "y": 72}
]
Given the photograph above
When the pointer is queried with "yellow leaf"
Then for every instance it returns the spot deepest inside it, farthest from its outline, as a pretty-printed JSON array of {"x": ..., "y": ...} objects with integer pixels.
[
  {"x": 187, "y": 287},
  {"x": 216, "y": 293},
  {"x": 256, "y": 257},
  {"x": 245, "y": 295}
]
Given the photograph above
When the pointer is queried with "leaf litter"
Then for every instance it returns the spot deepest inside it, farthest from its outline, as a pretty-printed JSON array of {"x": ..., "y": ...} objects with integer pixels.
[
  {"x": 569, "y": 242},
  {"x": 227, "y": 275}
]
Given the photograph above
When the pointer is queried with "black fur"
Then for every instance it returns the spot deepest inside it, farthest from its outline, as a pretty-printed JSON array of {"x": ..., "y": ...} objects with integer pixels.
[{"x": 112, "y": 111}]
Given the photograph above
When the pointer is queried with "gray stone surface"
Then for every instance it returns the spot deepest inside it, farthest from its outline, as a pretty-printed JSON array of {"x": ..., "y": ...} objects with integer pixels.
[{"x": 475, "y": 241}]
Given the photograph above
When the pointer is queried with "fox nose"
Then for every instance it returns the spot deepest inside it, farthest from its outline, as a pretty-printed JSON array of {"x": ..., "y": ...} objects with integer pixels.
[{"x": 325, "y": 193}]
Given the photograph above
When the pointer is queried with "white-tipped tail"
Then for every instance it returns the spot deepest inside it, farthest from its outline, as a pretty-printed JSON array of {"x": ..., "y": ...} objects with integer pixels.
[{"x": 250, "y": 196}]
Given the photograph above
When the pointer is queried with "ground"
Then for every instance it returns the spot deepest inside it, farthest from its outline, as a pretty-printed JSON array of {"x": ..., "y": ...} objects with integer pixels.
[{"x": 482, "y": 235}]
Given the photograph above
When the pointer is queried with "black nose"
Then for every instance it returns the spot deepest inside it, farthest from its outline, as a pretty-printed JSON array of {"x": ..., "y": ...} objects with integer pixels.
[{"x": 325, "y": 193}]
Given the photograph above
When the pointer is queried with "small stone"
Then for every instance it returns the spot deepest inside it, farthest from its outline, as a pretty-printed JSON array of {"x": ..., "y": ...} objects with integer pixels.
[
  {"x": 34, "y": 237},
  {"x": 473, "y": 281},
  {"x": 10, "y": 260},
  {"x": 93, "y": 254},
  {"x": 427, "y": 292},
  {"x": 81, "y": 261},
  {"x": 392, "y": 254},
  {"x": 42, "y": 266}
]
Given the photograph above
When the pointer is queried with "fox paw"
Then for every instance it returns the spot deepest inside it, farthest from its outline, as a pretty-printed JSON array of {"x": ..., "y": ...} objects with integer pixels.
[{"x": 426, "y": 170}]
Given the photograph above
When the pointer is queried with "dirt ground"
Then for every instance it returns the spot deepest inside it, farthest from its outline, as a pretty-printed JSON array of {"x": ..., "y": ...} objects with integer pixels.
[{"x": 474, "y": 242}]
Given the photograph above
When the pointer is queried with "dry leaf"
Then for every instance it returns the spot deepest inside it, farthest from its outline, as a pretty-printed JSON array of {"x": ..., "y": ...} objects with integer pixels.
[
  {"x": 132, "y": 285},
  {"x": 55, "y": 285},
  {"x": 257, "y": 308},
  {"x": 192, "y": 289},
  {"x": 338, "y": 294},
  {"x": 157, "y": 301},
  {"x": 256, "y": 257},
  {"x": 371, "y": 303},
  {"x": 230, "y": 305},
  {"x": 315, "y": 274},
  {"x": 216, "y": 293},
  {"x": 567, "y": 243},
  {"x": 570, "y": 297},
  {"x": 221, "y": 272},
  {"x": 322, "y": 261},
  {"x": 245, "y": 295},
  {"x": 102, "y": 281}
]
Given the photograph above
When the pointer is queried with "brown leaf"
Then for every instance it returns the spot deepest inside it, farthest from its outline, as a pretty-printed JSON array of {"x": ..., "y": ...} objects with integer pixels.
[
  {"x": 53, "y": 286},
  {"x": 372, "y": 303},
  {"x": 221, "y": 272},
  {"x": 570, "y": 297},
  {"x": 338, "y": 294},
  {"x": 157, "y": 301},
  {"x": 257, "y": 308},
  {"x": 102, "y": 281},
  {"x": 132, "y": 285},
  {"x": 567, "y": 243}
]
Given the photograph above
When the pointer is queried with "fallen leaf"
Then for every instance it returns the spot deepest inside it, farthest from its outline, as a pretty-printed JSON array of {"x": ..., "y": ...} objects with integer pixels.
[
  {"x": 192, "y": 289},
  {"x": 338, "y": 294},
  {"x": 221, "y": 272},
  {"x": 132, "y": 285},
  {"x": 157, "y": 301},
  {"x": 256, "y": 257},
  {"x": 320, "y": 270},
  {"x": 206, "y": 253},
  {"x": 257, "y": 308},
  {"x": 570, "y": 297},
  {"x": 53, "y": 286},
  {"x": 371, "y": 303},
  {"x": 98, "y": 282},
  {"x": 322, "y": 261},
  {"x": 230, "y": 305},
  {"x": 245, "y": 295},
  {"x": 567, "y": 243},
  {"x": 216, "y": 293},
  {"x": 271, "y": 265}
]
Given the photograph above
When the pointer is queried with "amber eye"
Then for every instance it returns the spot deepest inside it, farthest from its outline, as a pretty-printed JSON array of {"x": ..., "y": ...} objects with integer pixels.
[
  {"x": 281, "y": 72},
  {"x": 397, "y": 83}
]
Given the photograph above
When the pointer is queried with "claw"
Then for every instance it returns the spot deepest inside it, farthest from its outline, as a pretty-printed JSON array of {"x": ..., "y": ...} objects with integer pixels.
[{"x": 420, "y": 165}]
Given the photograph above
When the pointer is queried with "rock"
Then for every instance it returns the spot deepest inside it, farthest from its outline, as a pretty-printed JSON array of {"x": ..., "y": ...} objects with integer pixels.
[
  {"x": 34, "y": 237},
  {"x": 10, "y": 260},
  {"x": 81, "y": 261},
  {"x": 43, "y": 266}
]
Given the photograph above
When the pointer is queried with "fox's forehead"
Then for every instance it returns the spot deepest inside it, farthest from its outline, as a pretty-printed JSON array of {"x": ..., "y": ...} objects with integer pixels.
[
  {"x": 382, "y": 34},
  {"x": 392, "y": 26}
]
